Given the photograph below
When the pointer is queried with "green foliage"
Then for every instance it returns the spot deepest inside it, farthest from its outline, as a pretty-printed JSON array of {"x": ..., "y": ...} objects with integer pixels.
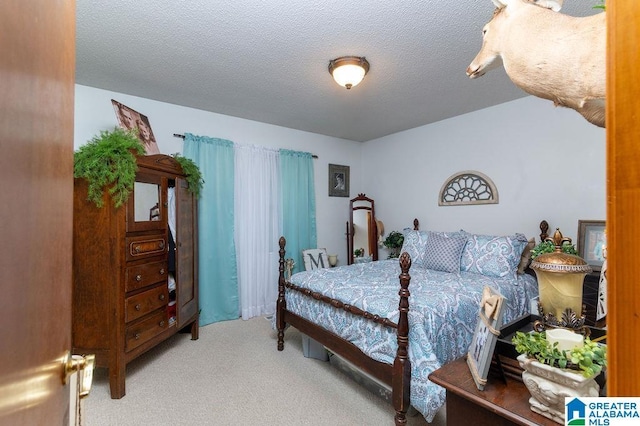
[
  {"x": 394, "y": 240},
  {"x": 601, "y": 5},
  {"x": 394, "y": 243},
  {"x": 192, "y": 173},
  {"x": 548, "y": 247},
  {"x": 358, "y": 252},
  {"x": 589, "y": 358},
  {"x": 108, "y": 161}
]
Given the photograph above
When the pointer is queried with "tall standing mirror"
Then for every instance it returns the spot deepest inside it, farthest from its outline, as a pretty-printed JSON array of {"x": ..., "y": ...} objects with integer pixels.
[{"x": 362, "y": 234}]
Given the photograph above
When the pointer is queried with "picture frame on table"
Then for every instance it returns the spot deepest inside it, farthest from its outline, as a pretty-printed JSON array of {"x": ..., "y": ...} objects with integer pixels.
[
  {"x": 592, "y": 242},
  {"x": 338, "y": 180},
  {"x": 486, "y": 335}
]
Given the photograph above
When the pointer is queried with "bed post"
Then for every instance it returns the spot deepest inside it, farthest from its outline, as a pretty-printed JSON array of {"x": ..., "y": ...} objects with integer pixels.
[
  {"x": 401, "y": 377},
  {"x": 281, "y": 304}
]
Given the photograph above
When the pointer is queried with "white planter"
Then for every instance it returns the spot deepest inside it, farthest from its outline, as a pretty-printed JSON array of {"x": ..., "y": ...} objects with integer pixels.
[{"x": 550, "y": 385}]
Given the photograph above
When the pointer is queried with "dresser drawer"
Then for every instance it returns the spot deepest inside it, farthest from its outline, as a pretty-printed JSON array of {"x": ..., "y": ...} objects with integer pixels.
[
  {"x": 143, "y": 275},
  {"x": 145, "y": 302},
  {"x": 140, "y": 247},
  {"x": 145, "y": 330}
]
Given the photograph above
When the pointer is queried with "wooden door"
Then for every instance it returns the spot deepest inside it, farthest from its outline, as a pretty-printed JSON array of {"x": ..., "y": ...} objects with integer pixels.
[
  {"x": 623, "y": 196},
  {"x": 37, "y": 41},
  {"x": 186, "y": 259}
]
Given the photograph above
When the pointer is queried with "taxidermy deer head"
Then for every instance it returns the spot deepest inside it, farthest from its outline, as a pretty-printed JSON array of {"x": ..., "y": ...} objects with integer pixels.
[{"x": 548, "y": 54}]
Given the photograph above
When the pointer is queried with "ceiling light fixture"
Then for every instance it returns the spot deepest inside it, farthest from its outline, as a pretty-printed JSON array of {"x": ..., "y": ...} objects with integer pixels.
[{"x": 348, "y": 71}]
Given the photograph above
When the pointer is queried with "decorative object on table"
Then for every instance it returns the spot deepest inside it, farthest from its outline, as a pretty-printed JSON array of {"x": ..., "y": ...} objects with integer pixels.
[
  {"x": 560, "y": 279},
  {"x": 359, "y": 252},
  {"x": 338, "y": 180},
  {"x": 468, "y": 188},
  {"x": 485, "y": 337},
  {"x": 130, "y": 119},
  {"x": 315, "y": 259},
  {"x": 601, "y": 309},
  {"x": 552, "y": 372},
  {"x": 333, "y": 260},
  {"x": 289, "y": 264},
  {"x": 591, "y": 242},
  {"x": 108, "y": 162},
  {"x": 394, "y": 243}
]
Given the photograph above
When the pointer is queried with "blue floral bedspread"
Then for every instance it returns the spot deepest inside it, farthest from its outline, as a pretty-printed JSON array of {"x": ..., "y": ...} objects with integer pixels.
[{"x": 443, "y": 313}]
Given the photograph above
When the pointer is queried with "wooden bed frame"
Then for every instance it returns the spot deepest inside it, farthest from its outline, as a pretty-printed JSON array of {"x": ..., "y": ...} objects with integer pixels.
[{"x": 396, "y": 375}]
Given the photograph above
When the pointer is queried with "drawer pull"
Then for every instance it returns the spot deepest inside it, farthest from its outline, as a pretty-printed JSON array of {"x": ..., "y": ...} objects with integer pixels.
[
  {"x": 138, "y": 278},
  {"x": 161, "y": 323},
  {"x": 137, "y": 336},
  {"x": 138, "y": 307},
  {"x": 137, "y": 249},
  {"x": 161, "y": 245},
  {"x": 162, "y": 271},
  {"x": 161, "y": 297}
]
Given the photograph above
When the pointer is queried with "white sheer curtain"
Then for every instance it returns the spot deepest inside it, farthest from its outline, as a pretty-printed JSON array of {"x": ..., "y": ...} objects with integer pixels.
[{"x": 257, "y": 228}]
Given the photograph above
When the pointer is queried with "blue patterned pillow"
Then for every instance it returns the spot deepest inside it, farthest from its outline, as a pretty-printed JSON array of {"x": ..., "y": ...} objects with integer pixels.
[
  {"x": 443, "y": 251},
  {"x": 414, "y": 244},
  {"x": 493, "y": 256}
]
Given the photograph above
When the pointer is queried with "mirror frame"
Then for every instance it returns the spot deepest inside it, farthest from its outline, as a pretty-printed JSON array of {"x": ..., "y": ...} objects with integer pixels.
[
  {"x": 131, "y": 224},
  {"x": 372, "y": 231}
]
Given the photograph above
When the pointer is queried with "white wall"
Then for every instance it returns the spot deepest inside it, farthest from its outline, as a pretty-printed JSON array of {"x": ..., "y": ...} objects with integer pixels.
[
  {"x": 94, "y": 112},
  {"x": 547, "y": 163}
]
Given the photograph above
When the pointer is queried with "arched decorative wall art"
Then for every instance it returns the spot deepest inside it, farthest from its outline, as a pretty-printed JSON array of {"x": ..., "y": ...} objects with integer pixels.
[{"x": 468, "y": 188}]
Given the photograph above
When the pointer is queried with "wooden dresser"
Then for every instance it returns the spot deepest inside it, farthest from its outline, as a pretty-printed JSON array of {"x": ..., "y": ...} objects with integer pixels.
[{"x": 135, "y": 283}]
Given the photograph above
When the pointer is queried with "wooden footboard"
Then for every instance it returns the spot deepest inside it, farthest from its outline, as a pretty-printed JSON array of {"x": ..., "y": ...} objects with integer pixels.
[{"x": 398, "y": 375}]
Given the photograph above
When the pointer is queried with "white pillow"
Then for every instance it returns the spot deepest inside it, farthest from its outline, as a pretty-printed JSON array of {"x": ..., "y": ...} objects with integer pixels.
[{"x": 315, "y": 259}]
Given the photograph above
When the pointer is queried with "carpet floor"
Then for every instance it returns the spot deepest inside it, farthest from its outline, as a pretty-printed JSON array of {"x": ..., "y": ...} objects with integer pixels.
[{"x": 233, "y": 375}]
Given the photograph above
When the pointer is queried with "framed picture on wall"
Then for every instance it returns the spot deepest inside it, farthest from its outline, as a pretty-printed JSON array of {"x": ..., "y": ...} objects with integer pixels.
[
  {"x": 338, "y": 180},
  {"x": 130, "y": 119},
  {"x": 592, "y": 242}
]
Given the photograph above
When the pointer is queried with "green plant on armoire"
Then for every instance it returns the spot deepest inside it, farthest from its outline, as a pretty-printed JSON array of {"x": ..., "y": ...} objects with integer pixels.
[{"x": 108, "y": 162}]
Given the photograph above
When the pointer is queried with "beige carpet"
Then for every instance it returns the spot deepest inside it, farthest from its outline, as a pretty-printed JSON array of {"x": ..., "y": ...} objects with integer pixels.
[{"x": 233, "y": 375}]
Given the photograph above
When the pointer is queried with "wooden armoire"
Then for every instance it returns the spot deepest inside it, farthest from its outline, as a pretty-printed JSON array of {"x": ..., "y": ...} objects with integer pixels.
[{"x": 135, "y": 272}]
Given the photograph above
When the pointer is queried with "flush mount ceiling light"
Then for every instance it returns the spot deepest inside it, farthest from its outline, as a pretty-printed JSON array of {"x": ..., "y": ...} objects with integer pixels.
[{"x": 348, "y": 71}]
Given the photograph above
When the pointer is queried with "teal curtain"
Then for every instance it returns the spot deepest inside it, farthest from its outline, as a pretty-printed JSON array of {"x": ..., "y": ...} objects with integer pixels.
[
  {"x": 298, "y": 204},
  {"x": 218, "y": 274}
]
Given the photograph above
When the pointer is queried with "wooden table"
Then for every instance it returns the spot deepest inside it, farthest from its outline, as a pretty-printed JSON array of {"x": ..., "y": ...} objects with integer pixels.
[{"x": 498, "y": 404}]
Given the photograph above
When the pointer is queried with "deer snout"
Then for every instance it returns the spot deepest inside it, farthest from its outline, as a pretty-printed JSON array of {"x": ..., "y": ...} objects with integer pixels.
[{"x": 474, "y": 71}]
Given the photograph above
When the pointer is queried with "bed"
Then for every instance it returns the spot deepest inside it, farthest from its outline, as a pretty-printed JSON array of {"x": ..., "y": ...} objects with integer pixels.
[{"x": 399, "y": 327}]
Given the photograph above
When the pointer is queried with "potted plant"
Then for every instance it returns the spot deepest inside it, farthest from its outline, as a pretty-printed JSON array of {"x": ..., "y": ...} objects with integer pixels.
[
  {"x": 108, "y": 162},
  {"x": 549, "y": 371},
  {"x": 549, "y": 247},
  {"x": 394, "y": 243}
]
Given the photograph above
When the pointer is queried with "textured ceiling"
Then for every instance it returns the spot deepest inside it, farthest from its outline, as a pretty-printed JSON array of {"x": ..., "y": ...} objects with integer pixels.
[{"x": 266, "y": 60}]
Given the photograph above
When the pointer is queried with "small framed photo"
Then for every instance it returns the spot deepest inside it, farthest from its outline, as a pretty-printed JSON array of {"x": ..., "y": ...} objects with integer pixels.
[
  {"x": 338, "y": 180},
  {"x": 484, "y": 339},
  {"x": 592, "y": 242}
]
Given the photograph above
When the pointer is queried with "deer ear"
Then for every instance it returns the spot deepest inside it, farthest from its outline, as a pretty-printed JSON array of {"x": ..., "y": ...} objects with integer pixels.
[{"x": 554, "y": 5}]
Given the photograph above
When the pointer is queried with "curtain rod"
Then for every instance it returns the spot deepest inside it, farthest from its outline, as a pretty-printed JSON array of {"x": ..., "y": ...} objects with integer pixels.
[{"x": 178, "y": 135}]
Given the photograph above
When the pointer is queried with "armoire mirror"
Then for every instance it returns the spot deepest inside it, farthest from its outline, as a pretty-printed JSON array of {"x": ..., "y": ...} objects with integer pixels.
[{"x": 361, "y": 230}]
